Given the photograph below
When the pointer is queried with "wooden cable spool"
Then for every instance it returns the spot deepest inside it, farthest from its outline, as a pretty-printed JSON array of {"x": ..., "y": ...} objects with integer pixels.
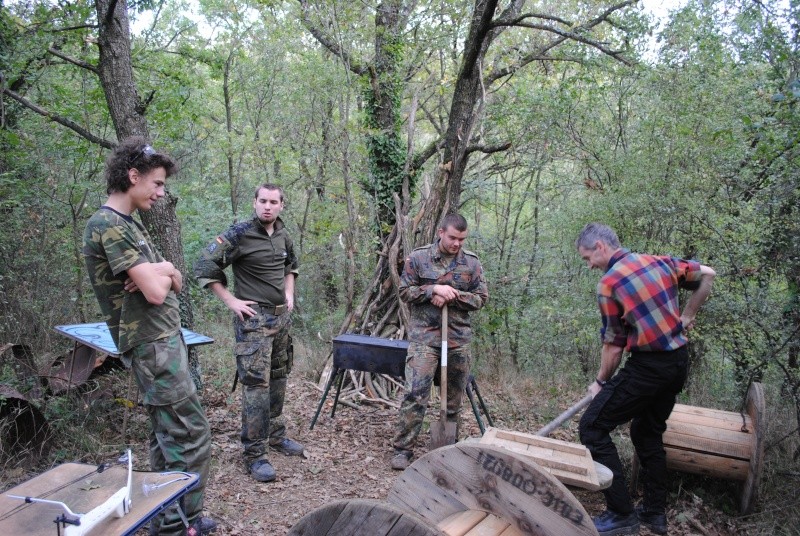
[
  {"x": 460, "y": 490},
  {"x": 448, "y": 482},
  {"x": 362, "y": 516},
  {"x": 720, "y": 444}
]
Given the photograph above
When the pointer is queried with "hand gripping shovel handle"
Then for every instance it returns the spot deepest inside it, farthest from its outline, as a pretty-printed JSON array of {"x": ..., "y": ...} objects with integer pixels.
[{"x": 568, "y": 414}]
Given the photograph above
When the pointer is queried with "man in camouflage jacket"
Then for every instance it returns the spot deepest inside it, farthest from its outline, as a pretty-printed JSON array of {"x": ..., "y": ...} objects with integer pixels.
[
  {"x": 136, "y": 289},
  {"x": 436, "y": 275},
  {"x": 264, "y": 269}
]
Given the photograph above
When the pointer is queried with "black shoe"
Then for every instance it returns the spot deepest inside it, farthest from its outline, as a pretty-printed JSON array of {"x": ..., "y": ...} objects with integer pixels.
[
  {"x": 262, "y": 471},
  {"x": 288, "y": 447},
  {"x": 653, "y": 521},
  {"x": 401, "y": 459},
  {"x": 202, "y": 525},
  {"x": 613, "y": 524}
]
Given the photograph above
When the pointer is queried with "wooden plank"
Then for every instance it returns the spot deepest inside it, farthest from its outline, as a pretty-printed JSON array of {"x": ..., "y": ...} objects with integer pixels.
[
  {"x": 495, "y": 480},
  {"x": 404, "y": 494},
  {"x": 710, "y": 413},
  {"x": 706, "y": 464},
  {"x": 543, "y": 442},
  {"x": 706, "y": 446},
  {"x": 461, "y": 523},
  {"x": 510, "y": 531},
  {"x": 319, "y": 521},
  {"x": 570, "y": 463},
  {"x": 355, "y": 518},
  {"x": 732, "y": 422},
  {"x": 756, "y": 409},
  {"x": 547, "y": 457},
  {"x": 709, "y": 440},
  {"x": 411, "y": 525},
  {"x": 490, "y": 526}
]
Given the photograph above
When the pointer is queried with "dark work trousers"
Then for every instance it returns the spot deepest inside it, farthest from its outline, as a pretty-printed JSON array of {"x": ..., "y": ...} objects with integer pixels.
[{"x": 643, "y": 391}]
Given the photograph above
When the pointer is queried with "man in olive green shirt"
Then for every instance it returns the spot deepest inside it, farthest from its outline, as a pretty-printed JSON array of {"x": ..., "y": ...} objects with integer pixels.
[{"x": 264, "y": 269}]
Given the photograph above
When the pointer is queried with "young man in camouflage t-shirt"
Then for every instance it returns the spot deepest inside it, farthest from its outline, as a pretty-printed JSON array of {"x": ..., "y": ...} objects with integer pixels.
[{"x": 136, "y": 289}]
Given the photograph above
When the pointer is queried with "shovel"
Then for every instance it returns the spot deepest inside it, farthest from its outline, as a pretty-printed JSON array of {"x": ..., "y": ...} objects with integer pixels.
[
  {"x": 568, "y": 414},
  {"x": 443, "y": 432}
]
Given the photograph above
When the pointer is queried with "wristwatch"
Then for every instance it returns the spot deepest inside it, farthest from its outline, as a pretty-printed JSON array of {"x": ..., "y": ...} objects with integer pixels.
[{"x": 600, "y": 382}]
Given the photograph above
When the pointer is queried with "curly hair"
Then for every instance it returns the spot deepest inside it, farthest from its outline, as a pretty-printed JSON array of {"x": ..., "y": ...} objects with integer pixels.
[{"x": 134, "y": 153}]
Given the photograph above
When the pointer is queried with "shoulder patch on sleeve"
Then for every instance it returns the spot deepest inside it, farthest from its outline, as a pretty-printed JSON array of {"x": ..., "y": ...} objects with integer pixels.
[
  {"x": 235, "y": 233},
  {"x": 212, "y": 247},
  {"x": 471, "y": 254}
]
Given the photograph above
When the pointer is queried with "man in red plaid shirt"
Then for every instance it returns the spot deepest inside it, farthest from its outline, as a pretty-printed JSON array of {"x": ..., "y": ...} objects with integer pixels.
[{"x": 638, "y": 301}]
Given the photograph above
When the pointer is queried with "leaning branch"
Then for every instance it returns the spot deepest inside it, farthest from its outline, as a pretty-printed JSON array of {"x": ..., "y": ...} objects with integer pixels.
[
  {"x": 78, "y": 27},
  {"x": 575, "y": 33},
  {"x": 489, "y": 149},
  {"x": 616, "y": 54},
  {"x": 327, "y": 41},
  {"x": 60, "y": 120},
  {"x": 73, "y": 61},
  {"x": 428, "y": 151}
]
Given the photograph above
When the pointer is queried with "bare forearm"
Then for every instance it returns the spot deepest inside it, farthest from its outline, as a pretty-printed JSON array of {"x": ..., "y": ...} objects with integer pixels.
[
  {"x": 610, "y": 358},
  {"x": 698, "y": 297},
  {"x": 289, "y": 290},
  {"x": 221, "y": 292}
]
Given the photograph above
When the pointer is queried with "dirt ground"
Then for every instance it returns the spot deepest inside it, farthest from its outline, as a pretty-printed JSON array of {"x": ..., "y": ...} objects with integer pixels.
[{"x": 348, "y": 457}]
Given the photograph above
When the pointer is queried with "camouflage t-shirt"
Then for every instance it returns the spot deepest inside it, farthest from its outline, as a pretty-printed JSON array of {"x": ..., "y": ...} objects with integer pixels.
[{"x": 112, "y": 244}]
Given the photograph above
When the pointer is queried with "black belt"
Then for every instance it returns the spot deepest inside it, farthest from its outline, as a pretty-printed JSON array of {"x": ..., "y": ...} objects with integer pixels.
[{"x": 274, "y": 310}]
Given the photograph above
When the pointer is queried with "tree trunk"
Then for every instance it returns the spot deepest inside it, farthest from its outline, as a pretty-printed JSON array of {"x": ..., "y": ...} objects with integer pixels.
[{"x": 387, "y": 154}]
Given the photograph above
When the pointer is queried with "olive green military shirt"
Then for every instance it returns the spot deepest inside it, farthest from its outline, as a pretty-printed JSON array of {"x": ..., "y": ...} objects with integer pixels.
[{"x": 260, "y": 261}]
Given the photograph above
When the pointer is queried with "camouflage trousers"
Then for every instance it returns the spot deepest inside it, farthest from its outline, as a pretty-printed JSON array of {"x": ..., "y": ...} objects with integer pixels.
[
  {"x": 264, "y": 358},
  {"x": 180, "y": 439},
  {"x": 422, "y": 363}
]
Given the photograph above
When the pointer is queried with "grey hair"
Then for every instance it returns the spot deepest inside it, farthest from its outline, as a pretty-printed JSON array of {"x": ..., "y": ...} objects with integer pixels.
[{"x": 596, "y": 232}]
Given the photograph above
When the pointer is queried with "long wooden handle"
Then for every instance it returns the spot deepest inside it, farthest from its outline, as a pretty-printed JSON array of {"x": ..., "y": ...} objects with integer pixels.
[
  {"x": 555, "y": 423},
  {"x": 443, "y": 363}
]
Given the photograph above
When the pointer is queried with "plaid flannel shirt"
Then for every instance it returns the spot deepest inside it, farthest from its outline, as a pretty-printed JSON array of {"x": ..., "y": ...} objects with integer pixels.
[{"x": 638, "y": 301}]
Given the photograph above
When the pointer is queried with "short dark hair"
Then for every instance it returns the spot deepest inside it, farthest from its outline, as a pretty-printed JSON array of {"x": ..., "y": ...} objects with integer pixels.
[
  {"x": 134, "y": 152},
  {"x": 269, "y": 186},
  {"x": 456, "y": 221},
  {"x": 596, "y": 232}
]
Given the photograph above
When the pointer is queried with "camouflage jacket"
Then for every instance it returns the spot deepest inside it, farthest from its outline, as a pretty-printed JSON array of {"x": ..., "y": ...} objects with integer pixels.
[
  {"x": 426, "y": 267},
  {"x": 260, "y": 261},
  {"x": 112, "y": 244}
]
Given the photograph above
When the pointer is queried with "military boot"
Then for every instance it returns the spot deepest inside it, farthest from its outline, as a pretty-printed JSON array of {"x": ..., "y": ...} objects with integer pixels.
[{"x": 262, "y": 471}]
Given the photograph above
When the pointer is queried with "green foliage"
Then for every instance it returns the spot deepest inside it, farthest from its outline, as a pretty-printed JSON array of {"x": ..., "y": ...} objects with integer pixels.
[
  {"x": 693, "y": 152},
  {"x": 386, "y": 150}
]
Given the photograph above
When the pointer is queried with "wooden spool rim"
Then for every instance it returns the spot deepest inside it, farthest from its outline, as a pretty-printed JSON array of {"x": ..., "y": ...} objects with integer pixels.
[
  {"x": 474, "y": 477},
  {"x": 755, "y": 407},
  {"x": 348, "y": 517}
]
